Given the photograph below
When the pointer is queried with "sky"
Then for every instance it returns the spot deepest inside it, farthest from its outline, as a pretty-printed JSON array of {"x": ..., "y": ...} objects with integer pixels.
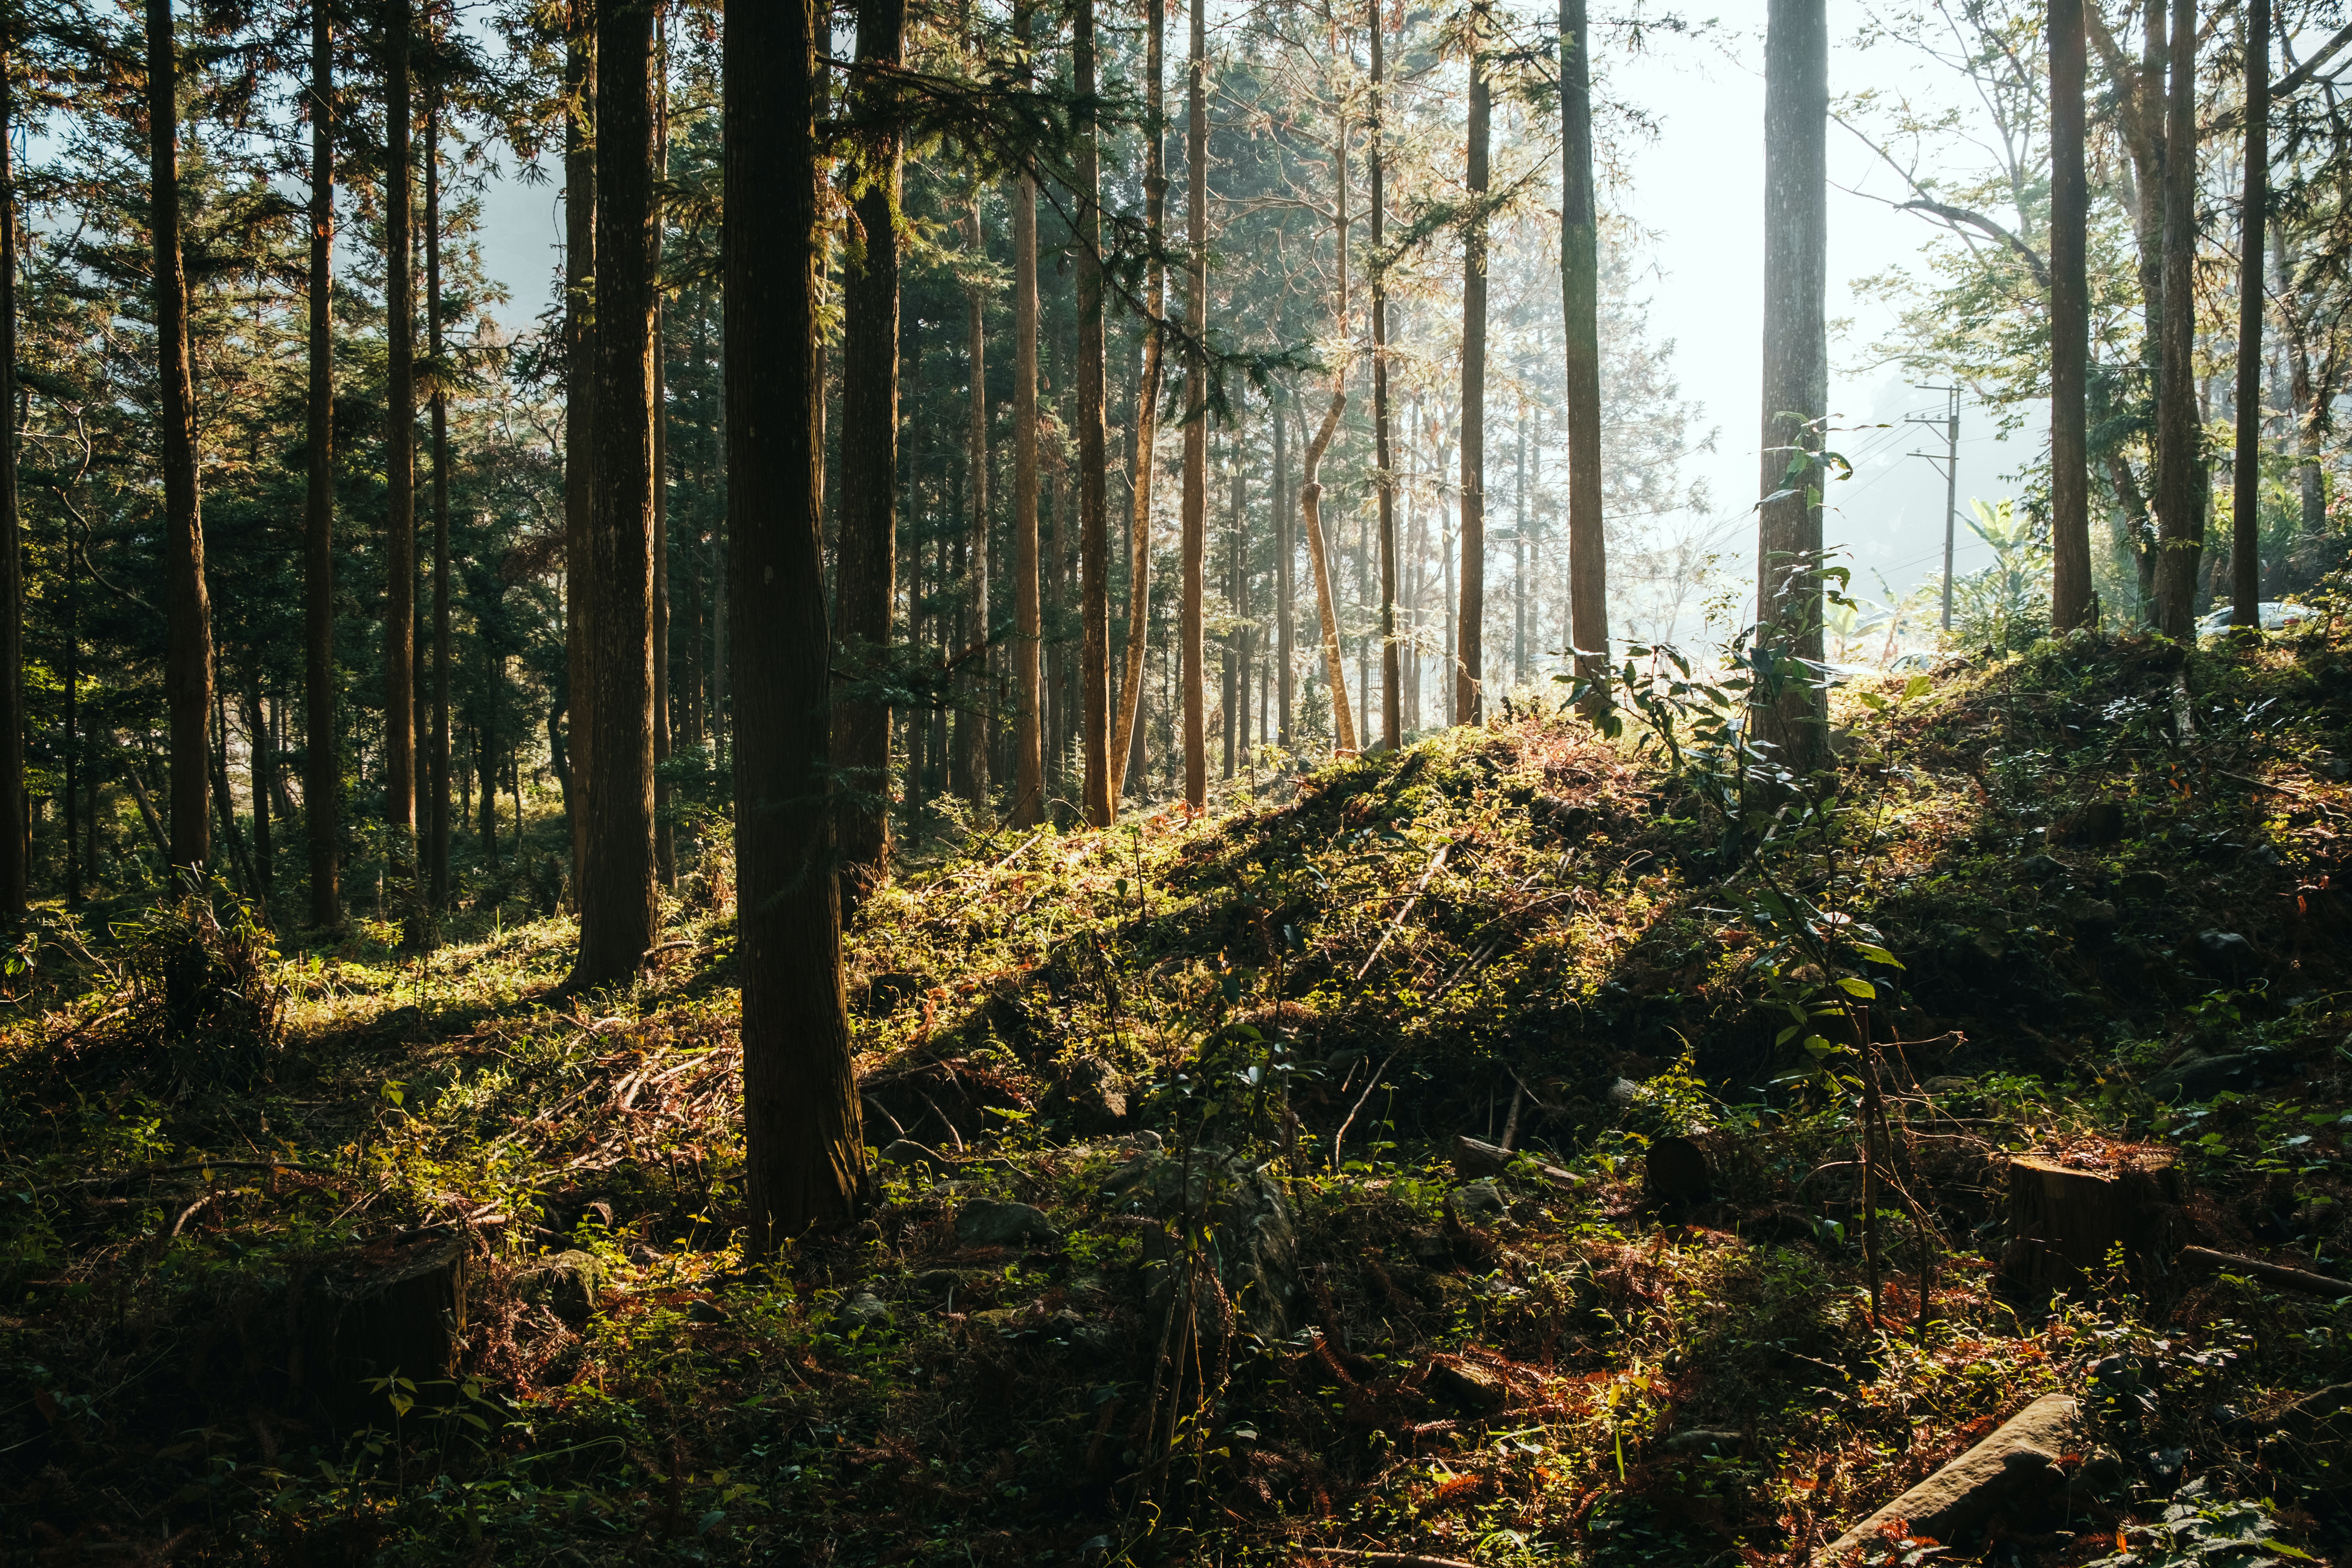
[{"x": 1697, "y": 188}]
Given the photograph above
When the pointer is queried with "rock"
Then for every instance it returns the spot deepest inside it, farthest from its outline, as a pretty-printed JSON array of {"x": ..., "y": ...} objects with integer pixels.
[
  {"x": 1470, "y": 1388},
  {"x": 864, "y": 1310},
  {"x": 1625, "y": 1094},
  {"x": 1677, "y": 1169},
  {"x": 885, "y": 994},
  {"x": 566, "y": 1284},
  {"x": 920, "y": 1157},
  {"x": 1480, "y": 1200},
  {"x": 1946, "y": 1084},
  {"x": 706, "y": 1312},
  {"x": 2013, "y": 1473},
  {"x": 1256, "y": 1240},
  {"x": 2042, "y": 868},
  {"x": 2226, "y": 956},
  {"x": 2148, "y": 885},
  {"x": 1096, "y": 1091},
  {"x": 986, "y": 1224},
  {"x": 936, "y": 1281},
  {"x": 2195, "y": 1076},
  {"x": 1701, "y": 1440},
  {"x": 2088, "y": 826},
  {"x": 1145, "y": 1142},
  {"x": 2094, "y": 918}
]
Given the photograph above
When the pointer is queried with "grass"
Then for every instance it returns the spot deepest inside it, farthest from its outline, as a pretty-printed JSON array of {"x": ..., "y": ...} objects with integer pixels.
[{"x": 1517, "y": 928}]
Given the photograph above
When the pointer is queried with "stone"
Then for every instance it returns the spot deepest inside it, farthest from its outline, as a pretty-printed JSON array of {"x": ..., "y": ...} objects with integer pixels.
[
  {"x": 1677, "y": 1169},
  {"x": 986, "y": 1224},
  {"x": 1481, "y": 1200},
  {"x": 2195, "y": 1076},
  {"x": 2148, "y": 885},
  {"x": 2013, "y": 1474},
  {"x": 566, "y": 1284},
  {"x": 1096, "y": 1091},
  {"x": 2226, "y": 956},
  {"x": 1470, "y": 1388},
  {"x": 2042, "y": 868},
  {"x": 1625, "y": 1094},
  {"x": 865, "y": 1310},
  {"x": 1702, "y": 1440},
  {"x": 1256, "y": 1240},
  {"x": 2094, "y": 918},
  {"x": 885, "y": 994}
]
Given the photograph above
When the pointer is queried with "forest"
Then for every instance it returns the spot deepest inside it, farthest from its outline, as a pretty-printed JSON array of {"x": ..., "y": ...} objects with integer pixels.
[{"x": 1051, "y": 815}]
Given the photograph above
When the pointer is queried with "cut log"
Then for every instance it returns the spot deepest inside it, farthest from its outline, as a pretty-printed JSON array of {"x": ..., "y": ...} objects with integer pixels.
[
  {"x": 2285, "y": 1279},
  {"x": 1474, "y": 1160},
  {"x": 1677, "y": 1169},
  {"x": 2012, "y": 1475},
  {"x": 387, "y": 1309},
  {"x": 2064, "y": 1221}
]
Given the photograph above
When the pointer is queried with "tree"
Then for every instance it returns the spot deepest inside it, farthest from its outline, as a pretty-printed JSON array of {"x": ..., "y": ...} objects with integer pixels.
[
  {"x": 322, "y": 780},
  {"x": 2070, "y": 601},
  {"x": 1147, "y": 393},
  {"x": 15, "y": 844},
  {"x": 1310, "y": 487},
  {"x": 804, "y": 1144},
  {"x": 1796, "y": 370},
  {"x": 400, "y": 791},
  {"x": 1094, "y": 546},
  {"x": 1469, "y": 639},
  {"x": 437, "y": 775},
  {"x": 2246, "y": 498},
  {"x": 2179, "y": 512},
  {"x": 1196, "y": 414},
  {"x": 1383, "y": 458},
  {"x": 579, "y": 416},
  {"x": 1028, "y": 619},
  {"x": 620, "y": 910},
  {"x": 975, "y": 719},
  {"x": 867, "y": 566},
  {"x": 188, "y": 677},
  {"x": 1580, "y": 281}
]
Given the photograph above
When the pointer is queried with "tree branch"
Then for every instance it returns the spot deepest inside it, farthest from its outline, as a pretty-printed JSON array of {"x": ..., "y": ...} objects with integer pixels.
[{"x": 1959, "y": 215}]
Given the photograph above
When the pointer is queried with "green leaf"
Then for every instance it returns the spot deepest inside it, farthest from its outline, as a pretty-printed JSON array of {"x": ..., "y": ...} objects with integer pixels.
[
  {"x": 1873, "y": 953},
  {"x": 1855, "y": 985},
  {"x": 1916, "y": 687}
]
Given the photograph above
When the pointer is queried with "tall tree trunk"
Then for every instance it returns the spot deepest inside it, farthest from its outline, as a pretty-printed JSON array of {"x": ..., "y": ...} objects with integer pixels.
[
  {"x": 1126, "y": 745},
  {"x": 1285, "y": 570},
  {"x": 1097, "y": 789},
  {"x": 2246, "y": 499},
  {"x": 15, "y": 851},
  {"x": 1028, "y": 620},
  {"x": 322, "y": 773},
  {"x": 400, "y": 782},
  {"x": 1469, "y": 653},
  {"x": 1383, "y": 456},
  {"x": 865, "y": 572},
  {"x": 188, "y": 616},
  {"x": 2181, "y": 523},
  {"x": 1241, "y": 641},
  {"x": 1579, "y": 272},
  {"x": 665, "y": 731},
  {"x": 619, "y": 909},
  {"x": 803, "y": 1145},
  {"x": 579, "y": 419},
  {"x": 2071, "y": 604},
  {"x": 439, "y": 776},
  {"x": 979, "y": 720},
  {"x": 261, "y": 764},
  {"x": 1796, "y": 370},
  {"x": 1196, "y": 542},
  {"x": 1310, "y": 488}
]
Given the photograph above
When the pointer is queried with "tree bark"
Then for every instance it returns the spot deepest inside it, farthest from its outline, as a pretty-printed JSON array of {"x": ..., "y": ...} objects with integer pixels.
[
  {"x": 322, "y": 773},
  {"x": 1796, "y": 370},
  {"x": 1196, "y": 412},
  {"x": 619, "y": 909},
  {"x": 1310, "y": 487},
  {"x": 2246, "y": 498},
  {"x": 1028, "y": 619},
  {"x": 1126, "y": 749},
  {"x": 1580, "y": 252},
  {"x": 2070, "y": 605},
  {"x": 1383, "y": 455},
  {"x": 664, "y": 732},
  {"x": 1285, "y": 572},
  {"x": 803, "y": 1145},
  {"x": 1468, "y": 668},
  {"x": 867, "y": 566},
  {"x": 16, "y": 847},
  {"x": 978, "y": 718},
  {"x": 1094, "y": 544},
  {"x": 578, "y": 417},
  {"x": 188, "y": 658},
  {"x": 438, "y": 775},
  {"x": 400, "y": 783},
  {"x": 2181, "y": 523}
]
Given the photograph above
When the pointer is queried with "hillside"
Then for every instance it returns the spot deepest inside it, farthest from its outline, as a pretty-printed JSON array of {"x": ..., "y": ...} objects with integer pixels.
[{"x": 1175, "y": 1251}]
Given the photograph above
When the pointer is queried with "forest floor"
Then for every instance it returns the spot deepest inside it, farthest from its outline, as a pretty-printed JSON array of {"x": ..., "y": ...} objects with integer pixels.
[{"x": 1174, "y": 1252}]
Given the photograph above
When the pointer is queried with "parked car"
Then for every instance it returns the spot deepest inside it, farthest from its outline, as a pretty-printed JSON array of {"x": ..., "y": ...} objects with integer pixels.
[{"x": 2277, "y": 614}]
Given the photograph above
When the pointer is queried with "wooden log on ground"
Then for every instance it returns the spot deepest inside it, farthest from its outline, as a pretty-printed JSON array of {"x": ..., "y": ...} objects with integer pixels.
[
  {"x": 2206, "y": 1259},
  {"x": 2012, "y": 1475},
  {"x": 1474, "y": 1160},
  {"x": 2065, "y": 1220}
]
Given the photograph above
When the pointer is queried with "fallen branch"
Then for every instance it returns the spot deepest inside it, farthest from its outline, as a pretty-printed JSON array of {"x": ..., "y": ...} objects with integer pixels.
[
  {"x": 1435, "y": 861},
  {"x": 1395, "y": 1559},
  {"x": 2268, "y": 1273},
  {"x": 1337, "y": 1138}
]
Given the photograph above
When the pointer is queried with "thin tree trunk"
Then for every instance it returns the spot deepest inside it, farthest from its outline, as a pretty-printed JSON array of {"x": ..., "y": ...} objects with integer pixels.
[
  {"x": 16, "y": 847},
  {"x": 665, "y": 843},
  {"x": 188, "y": 660},
  {"x": 619, "y": 909},
  {"x": 2180, "y": 521},
  {"x": 1796, "y": 370},
  {"x": 1469, "y": 654},
  {"x": 1383, "y": 456},
  {"x": 1580, "y": 249},
  {"x": 1310, "y": 488},
  {"x": 804, "y": 1144},
  {"x": 1028, "y": 621},
  {"x": 440, "y": 819},
  {"x": 867, "y": 565},
  {"x": 2245, "y": 585},
  {"x": 2071, "y": 604},
  {"x": 1196, "y": 427},
  {"x": 261, "y": 764},
  {"x": 1242, "y": 640},
  {"x": 1285, "y": 572},
  {"x": 322, "y": 749},
  {"x": 1126, "y": 747},
  {"x": 1094, "y": 544},
  {"x": 579, "y": 421},
  {"x": 978, "y": 721},
  {"x": 400, "y": 782}
]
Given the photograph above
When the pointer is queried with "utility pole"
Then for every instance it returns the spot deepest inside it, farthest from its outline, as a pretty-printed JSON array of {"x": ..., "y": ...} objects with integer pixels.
[{"x": 1950, "y": 459}]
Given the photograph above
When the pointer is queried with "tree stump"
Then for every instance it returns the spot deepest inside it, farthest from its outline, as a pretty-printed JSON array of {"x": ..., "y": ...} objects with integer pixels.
[
  {"x": 1677, "y": 1169},
  {"x": 2066, "y": 1218},
  {"x": 388, "y": 1308}
]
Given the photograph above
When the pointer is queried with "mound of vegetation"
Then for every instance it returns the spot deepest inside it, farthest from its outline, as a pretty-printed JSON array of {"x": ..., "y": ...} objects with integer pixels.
[{"x": 1526, "y": 1147}]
